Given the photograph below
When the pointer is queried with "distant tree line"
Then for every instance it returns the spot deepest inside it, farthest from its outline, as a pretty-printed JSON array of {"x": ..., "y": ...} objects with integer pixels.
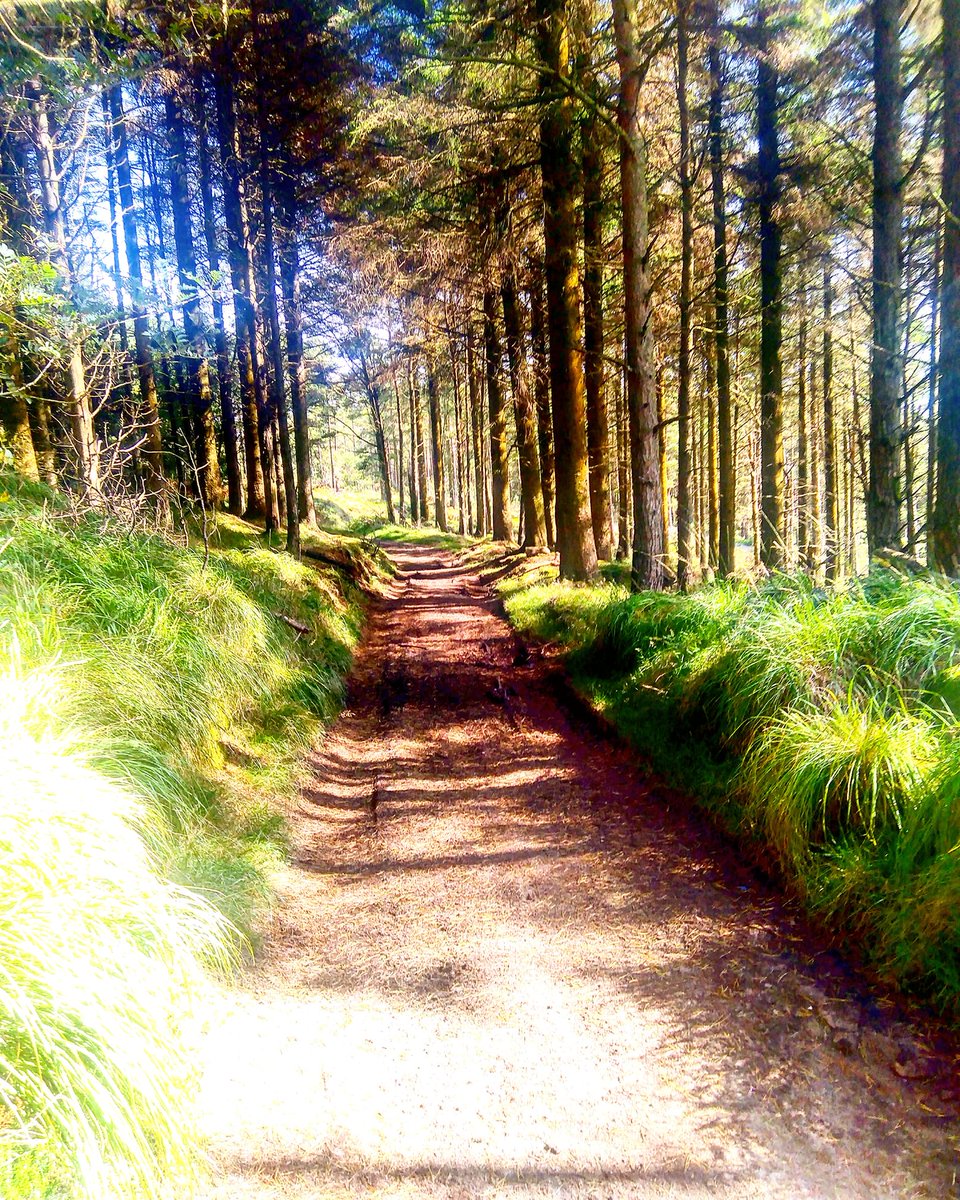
[{"x": 678, "y": 285}]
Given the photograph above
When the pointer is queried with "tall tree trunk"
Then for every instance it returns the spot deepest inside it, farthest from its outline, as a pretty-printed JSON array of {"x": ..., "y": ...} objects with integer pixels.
[
  {"x": 199, "y": 392},
  {"x": 623, "y": 474},
  {"x": 803, "y": 439},
  {"x": 647, "y": 569},
  {"x": 531, "y": 490},
  {"x": 83, "y": 437},
  {"x": 400, "y": 458},
  {"x": 831, "y": 498},
  {"x": 415, "y": 514},
  {"x": 931, "y": 491},
  {"x": 436, "y": 443},
  {"x": 476, "y": 424},
  {"x": 721, "y": 337},
  {"x": 541, "y": 390},
  {"x": 458, "y": 449},
  {"x": 684, "y": 531},
  {"x": 771, "y": 299},
  {"x": 228, "y": 420},
  {"x": 383, "y": 461},
  {"x": 293, "y": 322},
  {"x": 884, "y": 495},
  {"x": 598, "y": 434},
  {"x": 239, "y": 252},
  {"x": 578, "y": 554},
  {"x": 124, "y": 389},
  {"x": 278, "y": 391},
  {"x": 421, "y": 448},
  {"x": 501, "y": 526},
  {"x": 946, "y": 524}
]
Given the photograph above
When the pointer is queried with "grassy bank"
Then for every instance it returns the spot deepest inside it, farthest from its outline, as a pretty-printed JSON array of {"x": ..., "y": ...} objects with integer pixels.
[
  {"x": 155, "y": 703},
  {"x": 819, "y": 726}
]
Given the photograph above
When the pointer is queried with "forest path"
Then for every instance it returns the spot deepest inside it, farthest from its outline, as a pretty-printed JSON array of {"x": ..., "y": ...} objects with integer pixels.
[{"x": 503, "y": 965}]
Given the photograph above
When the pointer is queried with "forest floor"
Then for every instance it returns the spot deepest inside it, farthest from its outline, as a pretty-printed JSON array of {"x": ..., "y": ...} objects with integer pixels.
[{"x": 504, "y": 963}]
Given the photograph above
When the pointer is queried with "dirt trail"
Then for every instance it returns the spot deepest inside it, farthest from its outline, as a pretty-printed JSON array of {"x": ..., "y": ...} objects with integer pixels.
[{"x": 503, "y": 966}]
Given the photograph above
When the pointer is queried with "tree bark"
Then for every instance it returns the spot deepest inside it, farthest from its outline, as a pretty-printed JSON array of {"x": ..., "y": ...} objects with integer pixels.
[
  {"x": 541, "y": 389},
  {"x": 476, "y": 425},
  {"x": 578, "y": 554},
  {"x": 293, "y": 322},
  {"x": 436, "y": 444},
  {"x": 598, "y": 433},
  {"x": 685, "y": 549},
  {"x": 946, "y": 524},
  {"x": 239, "y": 252},
  {"x": 84, "y": 443},
  {"x": 501, "y": 525},
  {"x": 721, "y": 337},
  {"x": 152, "y": 452},
  {"x": 831, "y": 497},
  {"x": 647, "y": 569},
  {"x": 228, "y": 420},
  {"x": 769, "y": 170},
  {"x": 198, "y": 369},
  {"x": 884, "y": 494},
  {"x": 277, "y": 382},
  {"x": 531, "y": 489}
]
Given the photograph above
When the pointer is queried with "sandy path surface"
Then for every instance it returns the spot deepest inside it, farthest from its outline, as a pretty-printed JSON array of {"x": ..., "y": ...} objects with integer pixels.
[{"x": 504, "y": 965}]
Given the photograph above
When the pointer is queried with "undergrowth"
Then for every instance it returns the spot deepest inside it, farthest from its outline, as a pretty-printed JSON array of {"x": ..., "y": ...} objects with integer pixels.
[
  {"x": 819, "y": 726},
  {"x": 155, "y": 703}
]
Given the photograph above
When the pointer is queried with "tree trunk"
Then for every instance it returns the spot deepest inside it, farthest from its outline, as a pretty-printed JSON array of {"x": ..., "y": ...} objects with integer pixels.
[
  {"x": 578, "y": 555},
  {"x": 684, "y": 515},
  {"x": 946, "y": 524},
  {"x": 932, "y": 387},
  {"x": 803, "y": 439},
  {"x": 502, "y": 526},
  {"x": 400, "y": 457},
  {"x": 647, "y": 569},
  {"x": 884, "y": 495},
  {"x": 436, "y": 443},
  {"x": 228, "y": 420},
  {"x": 726, "y": 564},
  {"x": 623, "y": 475},
  {"x": 421, "y": 449},
  {"x": 239, "y": 250},
  {"x": 831, "y": 498},
  {"x": 460, "y": 452},
  {"x": 531, "y": 489},
  {"x": 278, "y": 391},
  {"x": 200, "y": 396},
  {"x": 771, "y": 300},
  {"x": 541, "y": 389},
  {"x": 296, "y": 369},
  {"x": 598, "y": 434},
  {"x": 84, "y": 444},
  {"x": 476, "y": 425}
]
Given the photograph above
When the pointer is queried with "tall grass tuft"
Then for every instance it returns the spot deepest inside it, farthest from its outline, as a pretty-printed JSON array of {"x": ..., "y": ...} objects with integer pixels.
[
  {"x": 154, "y": 707},
  {"x": 820, "y": 724},
  {"x": 99, "y": 960}
]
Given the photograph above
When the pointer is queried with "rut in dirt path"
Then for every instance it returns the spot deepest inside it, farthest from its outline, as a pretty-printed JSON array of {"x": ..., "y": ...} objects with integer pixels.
[{"x": 503, "y": 967}]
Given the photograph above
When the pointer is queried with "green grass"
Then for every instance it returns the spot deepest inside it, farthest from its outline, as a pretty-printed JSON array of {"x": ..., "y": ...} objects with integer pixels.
[
  {"x": 819, "y": 726},
  {"x": 154, "y": 708}
]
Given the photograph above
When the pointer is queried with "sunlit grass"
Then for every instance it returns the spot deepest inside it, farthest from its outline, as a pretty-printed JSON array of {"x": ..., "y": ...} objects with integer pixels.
[
  {"x": 156, "y": 703},
  {"x": 819, "y": 725}
]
